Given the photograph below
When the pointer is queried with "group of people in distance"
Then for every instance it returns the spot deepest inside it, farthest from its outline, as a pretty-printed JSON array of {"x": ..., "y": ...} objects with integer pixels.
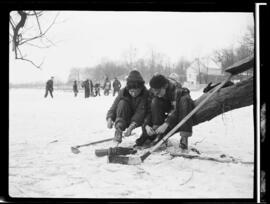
[
  {"x": 90, "y": 89},
  {"x": 94, "y": 90},
  {"x": 157, "y": 110}
]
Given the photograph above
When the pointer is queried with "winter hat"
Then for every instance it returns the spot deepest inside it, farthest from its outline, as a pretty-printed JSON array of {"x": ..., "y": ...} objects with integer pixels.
[
  {"x": 174, "y": 76},
  {"x": 134, "y": 80},
  {"x": 158, "y": 81}
]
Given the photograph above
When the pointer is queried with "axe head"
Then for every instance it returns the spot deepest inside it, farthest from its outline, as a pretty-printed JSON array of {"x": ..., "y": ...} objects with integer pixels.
[
  {"x": 75, "y": 150},
  {"x": 124, "y": 160}
]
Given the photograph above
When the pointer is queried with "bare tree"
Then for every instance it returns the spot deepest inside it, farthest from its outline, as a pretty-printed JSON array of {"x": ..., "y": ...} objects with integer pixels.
[
  {"x": 26, "y": 30},
  {"x": 130, "y": 56}
]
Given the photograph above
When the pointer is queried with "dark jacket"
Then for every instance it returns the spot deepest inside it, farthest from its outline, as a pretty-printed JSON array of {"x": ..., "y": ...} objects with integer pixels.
[
  {"x": 75, "y": 87},
  {"x": 86, "y": 85},
  {"x": 49, "y": 85},
  {"x": 116, "y": 84},
  {"x": 138, "y": 105},
  {"x": 173, "y": 94}
]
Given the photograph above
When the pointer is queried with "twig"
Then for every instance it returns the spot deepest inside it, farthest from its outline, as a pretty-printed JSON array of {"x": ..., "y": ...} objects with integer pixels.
[
  {"x": 187, "y": 179},
  {"x": 199, "y": 141}
]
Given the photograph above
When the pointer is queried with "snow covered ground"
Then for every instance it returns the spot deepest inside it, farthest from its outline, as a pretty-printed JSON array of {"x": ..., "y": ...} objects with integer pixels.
[{"x": 41, "y": 164}]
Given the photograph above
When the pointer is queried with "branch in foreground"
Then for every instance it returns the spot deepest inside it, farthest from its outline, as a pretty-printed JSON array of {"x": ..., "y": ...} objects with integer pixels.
[{"x": 226, "y": 99}]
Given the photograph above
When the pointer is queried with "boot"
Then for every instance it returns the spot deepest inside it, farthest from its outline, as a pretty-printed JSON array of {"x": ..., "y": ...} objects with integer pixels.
[
  {"x": 117, "y": 137},
  {"x": 183, "y": 143}
]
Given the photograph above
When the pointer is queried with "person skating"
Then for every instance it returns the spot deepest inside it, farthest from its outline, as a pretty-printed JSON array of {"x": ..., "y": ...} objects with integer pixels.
[
  {"x": 168, "y": 104},
  {"x": 129, "y": 107},
  {"x": 116, "y": 86},
  {"x": 49, "y": 87},
  {"x": 75, "y": 88}
]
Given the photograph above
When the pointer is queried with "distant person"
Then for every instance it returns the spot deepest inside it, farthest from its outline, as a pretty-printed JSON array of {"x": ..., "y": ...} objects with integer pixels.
[
  {"x": 86, "y": 86},
  {"x": 97, "y": 89},
  {"x": 91, "y": 86},
  {"x": 116, "y": 86},
  {"x": 49, "y": 87},
  {"x": 75, "y": 88},
  {"x": 107, "y": 86}
]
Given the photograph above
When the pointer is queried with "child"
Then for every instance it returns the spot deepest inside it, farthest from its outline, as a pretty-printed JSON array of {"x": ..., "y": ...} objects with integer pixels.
[{"x": 129, "y": 107}]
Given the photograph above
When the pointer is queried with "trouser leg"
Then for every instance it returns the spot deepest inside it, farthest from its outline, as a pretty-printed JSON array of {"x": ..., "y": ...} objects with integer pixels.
[
  {"x": 51, "y": 93},
  {"x": 46, "y": 93},
  {"x": 123, "y": 115},
  {"x": 185, "y": 106}
]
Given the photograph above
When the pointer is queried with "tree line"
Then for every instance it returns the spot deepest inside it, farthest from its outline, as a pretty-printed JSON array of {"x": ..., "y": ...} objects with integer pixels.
[{"x": 159, "y": 63}]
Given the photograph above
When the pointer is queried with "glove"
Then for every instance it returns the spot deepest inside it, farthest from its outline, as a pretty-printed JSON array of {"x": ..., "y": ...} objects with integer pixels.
[
  {"x": 149, "y": 130},
  {"x": 129, "y": 129},
  {"x": 109, "y": 123},
  {"x": 161, "y": 129}
]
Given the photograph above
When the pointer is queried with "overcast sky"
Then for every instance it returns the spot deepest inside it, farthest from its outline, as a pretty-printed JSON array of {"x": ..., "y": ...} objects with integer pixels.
[{"x": 85, "y": 38}]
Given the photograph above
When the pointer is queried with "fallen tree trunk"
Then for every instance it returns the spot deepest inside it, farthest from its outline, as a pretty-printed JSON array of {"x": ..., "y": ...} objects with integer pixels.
[{"x": 226, "y": 99}]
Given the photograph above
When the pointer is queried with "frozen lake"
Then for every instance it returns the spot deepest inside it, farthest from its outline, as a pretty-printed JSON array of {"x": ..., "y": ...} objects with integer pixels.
[{"x": 41, "y": 165}]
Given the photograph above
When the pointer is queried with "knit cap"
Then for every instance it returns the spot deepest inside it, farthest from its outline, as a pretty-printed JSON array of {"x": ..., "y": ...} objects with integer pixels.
[{"x": 135, "y": 80}]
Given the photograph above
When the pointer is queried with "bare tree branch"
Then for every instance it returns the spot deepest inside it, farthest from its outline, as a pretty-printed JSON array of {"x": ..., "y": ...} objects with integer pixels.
[
  {"x": 24, "y": 59},
  {"x": 40, "y": 31},
  {"x": 18, "y": 31},
  {"x": 41, "y": 35},
  {"x": 33, "y": 45}
]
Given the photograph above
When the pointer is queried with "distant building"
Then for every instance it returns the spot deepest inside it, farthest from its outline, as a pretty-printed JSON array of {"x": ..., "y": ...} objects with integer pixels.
[{"x": 202, "y": 71}]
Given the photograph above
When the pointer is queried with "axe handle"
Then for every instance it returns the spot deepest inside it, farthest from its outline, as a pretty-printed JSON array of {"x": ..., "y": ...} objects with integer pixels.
[
  {"x": 99, "y": 141},
  {"x": 96, "y": 142}
]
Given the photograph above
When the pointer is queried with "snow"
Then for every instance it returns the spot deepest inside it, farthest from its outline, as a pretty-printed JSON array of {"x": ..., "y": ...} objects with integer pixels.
[{"x": 41, "y": 164}]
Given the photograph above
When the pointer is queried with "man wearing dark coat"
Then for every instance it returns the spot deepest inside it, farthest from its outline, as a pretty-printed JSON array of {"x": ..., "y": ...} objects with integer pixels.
[
  {"x": 75, "y": 88},
  {"x": 129, "y": 107},
  {"x": 86, "y": 86},
  {"x": 116, "y": 86},
  {"x": 91, "y": 87},
  {"x": 168, "y": 104},
  {"x": 49, "y": 87}
]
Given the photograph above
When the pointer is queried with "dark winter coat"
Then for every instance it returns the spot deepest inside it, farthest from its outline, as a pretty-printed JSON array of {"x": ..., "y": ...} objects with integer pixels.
[
  {"x": 49, "y": 85},
  {"x": 75, "y": 87},
  {"x": 116, "y": 84},
  {"x": 86, "y": 85},
  {"x": 173, "y": 94},
  {"x": 138, "y": 105}
]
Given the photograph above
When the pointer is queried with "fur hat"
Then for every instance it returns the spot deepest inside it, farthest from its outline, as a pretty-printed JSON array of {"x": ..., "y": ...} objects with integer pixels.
[
  {"x": 158, "y": 81},
  {"x": 134, "y": 80}
]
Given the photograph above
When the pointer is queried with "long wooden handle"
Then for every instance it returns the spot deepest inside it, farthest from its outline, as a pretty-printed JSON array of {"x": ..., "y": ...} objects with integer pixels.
[
  {"x": 100, "y": 141},
  {"x": 96, "y": 142}
]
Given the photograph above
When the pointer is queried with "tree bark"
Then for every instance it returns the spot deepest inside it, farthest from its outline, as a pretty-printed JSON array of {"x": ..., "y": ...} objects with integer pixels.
[{"x": 226, "y": 99}]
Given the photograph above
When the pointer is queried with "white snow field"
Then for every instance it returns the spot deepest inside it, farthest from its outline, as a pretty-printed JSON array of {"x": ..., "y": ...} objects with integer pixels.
[{"x": 41, "y": 164}]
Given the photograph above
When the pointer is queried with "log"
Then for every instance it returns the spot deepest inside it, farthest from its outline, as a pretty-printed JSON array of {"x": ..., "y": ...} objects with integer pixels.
[{"x": 226, "y": 99}]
